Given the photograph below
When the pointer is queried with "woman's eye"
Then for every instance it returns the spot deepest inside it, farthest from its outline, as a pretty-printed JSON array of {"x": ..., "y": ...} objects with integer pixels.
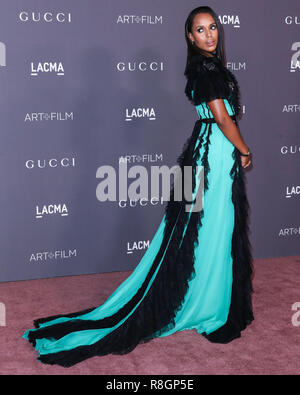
[{"x": 200, "y": 28}]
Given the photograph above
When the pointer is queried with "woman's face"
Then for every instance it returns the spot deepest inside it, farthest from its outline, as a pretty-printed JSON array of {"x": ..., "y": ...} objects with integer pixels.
[{"x": 204, "y": 32}]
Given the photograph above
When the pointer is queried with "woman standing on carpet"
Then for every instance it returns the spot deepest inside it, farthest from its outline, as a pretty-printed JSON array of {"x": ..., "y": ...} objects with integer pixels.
[{"x": 196, "y": 272}]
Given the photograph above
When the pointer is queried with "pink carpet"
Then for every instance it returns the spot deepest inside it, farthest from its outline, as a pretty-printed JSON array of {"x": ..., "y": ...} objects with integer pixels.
[{"x": 270, "y": 345}]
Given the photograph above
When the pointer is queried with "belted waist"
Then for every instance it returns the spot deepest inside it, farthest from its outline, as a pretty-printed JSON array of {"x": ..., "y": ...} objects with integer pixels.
[{"x": 212, "y": 120}]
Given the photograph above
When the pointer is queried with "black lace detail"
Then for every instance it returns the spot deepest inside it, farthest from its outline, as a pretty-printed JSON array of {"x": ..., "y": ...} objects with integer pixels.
[
  {"x": 155, "y": 311},
  {"x": 152, "y": 311},
  {"x": 240, "y": 312},
  {"x": 211, "y": 80}
]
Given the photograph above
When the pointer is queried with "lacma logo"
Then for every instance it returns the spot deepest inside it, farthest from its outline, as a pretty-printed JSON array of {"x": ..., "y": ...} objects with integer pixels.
[
  {"x": 136, "y": 113},
  {"x": 2, "y": 54},
  {"x": 292, "y": 191},
  {"x": 47, "y": 67},
  {"x": 137, "y": 245},
  {"x": 51, "y": 209},
  {"x": 230, "y": 20}
]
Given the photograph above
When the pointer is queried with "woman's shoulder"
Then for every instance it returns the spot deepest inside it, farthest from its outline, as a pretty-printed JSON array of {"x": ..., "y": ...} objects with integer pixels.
[
  {"x": 201, "y": 63},
  {"x": 209, "y": 79}
]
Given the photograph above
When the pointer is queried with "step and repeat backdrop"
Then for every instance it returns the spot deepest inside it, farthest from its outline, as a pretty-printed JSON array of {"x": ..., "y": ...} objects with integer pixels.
[{"x": 88, "y": 84}]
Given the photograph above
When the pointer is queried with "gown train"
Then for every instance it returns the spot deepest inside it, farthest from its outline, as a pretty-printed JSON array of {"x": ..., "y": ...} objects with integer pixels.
[{"x": 195, "y": 273}]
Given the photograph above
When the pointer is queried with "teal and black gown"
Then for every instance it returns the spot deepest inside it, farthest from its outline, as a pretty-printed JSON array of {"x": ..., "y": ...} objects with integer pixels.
[{"x": 196, "y": 272}]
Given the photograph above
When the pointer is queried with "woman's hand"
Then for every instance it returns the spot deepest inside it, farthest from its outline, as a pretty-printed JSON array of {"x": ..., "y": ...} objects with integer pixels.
[{"x": 246, "y": 161}]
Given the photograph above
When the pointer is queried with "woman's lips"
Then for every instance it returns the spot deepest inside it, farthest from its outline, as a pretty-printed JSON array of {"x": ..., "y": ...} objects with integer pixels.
[{"x": 210, "y": 43}]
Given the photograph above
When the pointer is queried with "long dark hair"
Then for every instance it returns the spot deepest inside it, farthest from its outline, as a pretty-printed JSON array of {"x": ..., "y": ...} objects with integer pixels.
[{"x": 192, "y": 50}]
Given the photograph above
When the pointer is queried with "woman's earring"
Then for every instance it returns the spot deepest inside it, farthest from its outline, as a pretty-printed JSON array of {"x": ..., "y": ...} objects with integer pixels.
[{"x": 193, "y": 42}]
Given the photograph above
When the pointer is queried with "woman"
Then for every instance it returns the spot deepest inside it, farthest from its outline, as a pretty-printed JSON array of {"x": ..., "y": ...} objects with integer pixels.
[{"x": 196, "y": 271}]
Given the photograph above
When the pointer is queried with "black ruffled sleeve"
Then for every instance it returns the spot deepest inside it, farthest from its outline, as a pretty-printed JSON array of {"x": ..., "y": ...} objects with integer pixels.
[{"x": 208, "y": 81}]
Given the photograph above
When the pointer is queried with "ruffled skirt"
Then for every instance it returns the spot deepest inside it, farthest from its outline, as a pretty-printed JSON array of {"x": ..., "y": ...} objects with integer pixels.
[{"x": 195, "y": 274}]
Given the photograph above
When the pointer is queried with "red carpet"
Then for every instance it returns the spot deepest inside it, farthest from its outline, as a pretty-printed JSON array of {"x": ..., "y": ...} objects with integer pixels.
[{"x": 270, "y": 345}]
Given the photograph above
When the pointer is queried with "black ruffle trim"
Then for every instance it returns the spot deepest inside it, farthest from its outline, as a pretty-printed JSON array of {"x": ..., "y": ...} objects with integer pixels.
[
  {"x": 159, "y": 306},
  {"x": 211, "y": 80},
  {"x": 155, "y": 311},
  {"x": 240, "y": 312}
]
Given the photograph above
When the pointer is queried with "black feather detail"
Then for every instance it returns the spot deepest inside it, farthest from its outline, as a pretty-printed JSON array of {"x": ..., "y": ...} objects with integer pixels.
[
  {"x": 157, "y": 309},
  {"x": 211, "y": 80}
]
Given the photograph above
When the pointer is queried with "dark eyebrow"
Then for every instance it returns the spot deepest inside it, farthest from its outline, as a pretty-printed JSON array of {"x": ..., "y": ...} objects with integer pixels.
[{"x": 209, "y": 25}]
